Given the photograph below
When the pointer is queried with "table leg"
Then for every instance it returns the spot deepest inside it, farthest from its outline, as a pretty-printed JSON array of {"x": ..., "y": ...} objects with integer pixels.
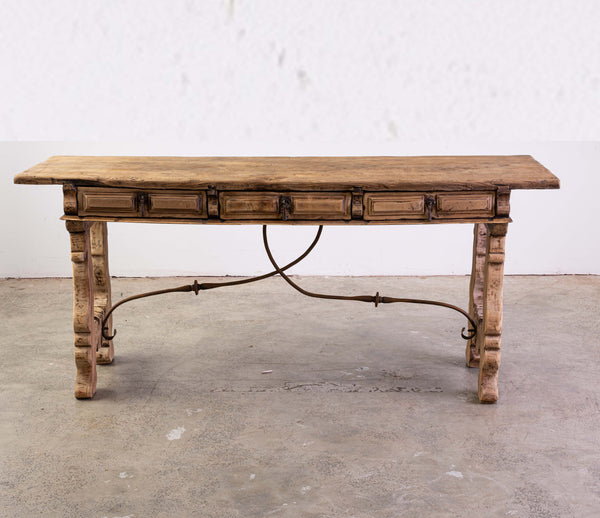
[
  {"x": 85, "y": 326},
  {"x": 488, "y": 338},
  {"x": 101, "y": 280},
  {"x": 476, "y": 289}
]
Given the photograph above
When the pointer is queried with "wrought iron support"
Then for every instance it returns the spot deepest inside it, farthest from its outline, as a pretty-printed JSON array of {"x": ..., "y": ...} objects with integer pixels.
[{"x": 375, "y": 299}]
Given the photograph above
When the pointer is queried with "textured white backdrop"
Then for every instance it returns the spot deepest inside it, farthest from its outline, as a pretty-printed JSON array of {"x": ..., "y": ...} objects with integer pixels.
[
  {"x": 271, "y": 71},
  {"x": 269, "y": 77}
]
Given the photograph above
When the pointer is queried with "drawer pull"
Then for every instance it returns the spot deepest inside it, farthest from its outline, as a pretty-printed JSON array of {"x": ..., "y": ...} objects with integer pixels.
[
  {"x": 429, "y": 203},
  {"x": 285, "y": 205}
]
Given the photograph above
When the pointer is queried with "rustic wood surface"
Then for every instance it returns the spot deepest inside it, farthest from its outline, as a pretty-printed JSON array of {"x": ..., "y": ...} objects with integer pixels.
[
  {"x": 503, "y": 201},
  {"x": 101, "y": 287},
  {"x": 177, "y": 203},
  {"x": 452, "y": 205},
  {"x": 476, "y": 289},
  {"x": 491, "y": 331},
  {"x": 70, "y": 199},
  {"x": 113, "y": 202},
  {"x": 85, "y": 326},
  {"x": 238, "y": 205},
  {"x": 312, "y": 173},
  {"x": 266, "y": 206}
]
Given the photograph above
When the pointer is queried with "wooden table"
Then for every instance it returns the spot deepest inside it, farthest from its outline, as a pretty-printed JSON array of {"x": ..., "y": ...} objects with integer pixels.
[{"x": 300, "y": 191}]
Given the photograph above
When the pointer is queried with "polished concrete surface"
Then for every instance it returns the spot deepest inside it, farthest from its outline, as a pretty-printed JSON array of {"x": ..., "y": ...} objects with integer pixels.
[{"x": 257, "y": 401}]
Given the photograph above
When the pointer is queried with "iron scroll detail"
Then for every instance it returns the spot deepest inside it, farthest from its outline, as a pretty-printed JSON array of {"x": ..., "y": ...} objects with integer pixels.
[{"x": 376, "y": 299}]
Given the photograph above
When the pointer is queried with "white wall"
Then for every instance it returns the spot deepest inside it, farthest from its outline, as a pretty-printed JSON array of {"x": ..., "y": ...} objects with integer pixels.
[
  {"x": 276, "y": 73},
  {"x": 327, "y": 77}
]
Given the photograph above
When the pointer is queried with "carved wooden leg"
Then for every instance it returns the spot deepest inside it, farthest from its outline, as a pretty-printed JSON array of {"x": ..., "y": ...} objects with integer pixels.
[
  {"x": 476, "y": 290},
  {"x": 489, "y": 337},
  {"x": 86, "y": 328},
  {"x": 101, "y": 280}
]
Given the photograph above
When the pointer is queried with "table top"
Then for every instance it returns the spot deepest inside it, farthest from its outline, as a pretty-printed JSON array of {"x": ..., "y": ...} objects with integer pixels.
[{"x": 295, "y": 173}]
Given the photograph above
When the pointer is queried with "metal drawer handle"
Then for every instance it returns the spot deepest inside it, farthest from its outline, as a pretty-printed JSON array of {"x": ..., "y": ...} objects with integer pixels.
[
  {"x": 429, "y": 202},
  {"x": 285, "y": 205},
  {"x": 142, "y": 203}
]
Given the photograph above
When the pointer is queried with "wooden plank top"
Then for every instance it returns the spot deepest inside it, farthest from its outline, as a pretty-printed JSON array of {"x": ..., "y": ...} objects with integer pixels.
[{"x": 296, "y": 173}]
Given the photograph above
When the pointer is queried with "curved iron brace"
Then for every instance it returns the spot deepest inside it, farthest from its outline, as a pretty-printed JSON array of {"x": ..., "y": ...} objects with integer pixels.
[
  {"x": 196, "y": 286},
  {"x": 375, "y": 299}
]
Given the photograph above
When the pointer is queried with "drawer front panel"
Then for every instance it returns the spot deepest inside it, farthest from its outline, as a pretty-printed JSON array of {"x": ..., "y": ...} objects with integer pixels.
[
  {"x": 320, "y": 206},
  {"x": 174, "y": 204},
  {"x": 249, "y": 205},
  {"x": 103, "y": 202},
  {"x": 464, "y": 205},
  {"x": 442, "y": 205},
  {"x": 288, "y": 206},
  {"x": 293, "y": 206},
  {"x": 388, "y": 206}
]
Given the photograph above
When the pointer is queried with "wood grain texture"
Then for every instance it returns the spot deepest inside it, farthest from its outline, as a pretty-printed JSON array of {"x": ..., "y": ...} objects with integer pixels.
[
  {"x": 304, "y": 206},
  {"x": 281, "y": 173},
  {"x": 212, "y": 203},
  {"x": 249, "y": 205},
  {"x": 321, "y": 206},
  {"x": 391, "y": 206},
  {"x": 101, "y": 287},
  {"x": 476, "y": 289},
  {"x": 86, "y": 328},
  {"x": 70, "y": 199},
  {"x": 114, "y": 202},
  {"x": 490, "y": 335},
  {"x": 169, "y": 204},
  {"x": 455, "y": 205},
  {"x": 503, "y": 202}
]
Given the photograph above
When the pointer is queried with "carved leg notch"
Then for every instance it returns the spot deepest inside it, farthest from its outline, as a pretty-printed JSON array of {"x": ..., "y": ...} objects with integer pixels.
[
  {"x": 101, "y": 280},
  {"x": 85, "y": 326},
  {"x": 476, "y": 290},
  {"x": 488, "y": 339}
]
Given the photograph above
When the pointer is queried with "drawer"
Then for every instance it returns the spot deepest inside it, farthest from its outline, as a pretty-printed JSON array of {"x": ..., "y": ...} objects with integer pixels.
[
  {"x": 285, "y": 206},
  {"x": 152, "y": 204},
  {"x": 382, "y": 206},
  {"x": 108, "y": 202},
  {"x": 422, "y": 206},
  {"x": 321, "y": 206},
  {"x": 177, "y": 204},
  {"x": 249, "y": 205},
  {"x": 465, "y": 205}
]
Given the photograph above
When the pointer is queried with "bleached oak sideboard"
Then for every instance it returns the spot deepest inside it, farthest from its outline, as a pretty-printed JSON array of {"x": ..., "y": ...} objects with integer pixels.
[{"x": 285, "y": 190}]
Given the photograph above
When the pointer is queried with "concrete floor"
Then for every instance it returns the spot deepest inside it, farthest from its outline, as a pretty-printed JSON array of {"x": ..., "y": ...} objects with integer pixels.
[{"x": 367, "y": 412}]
